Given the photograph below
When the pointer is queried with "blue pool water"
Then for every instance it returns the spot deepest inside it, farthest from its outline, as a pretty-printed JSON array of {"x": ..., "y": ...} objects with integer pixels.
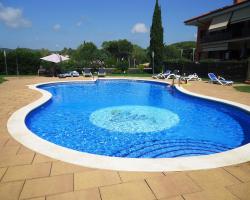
[{"x": 137, "y": 119}]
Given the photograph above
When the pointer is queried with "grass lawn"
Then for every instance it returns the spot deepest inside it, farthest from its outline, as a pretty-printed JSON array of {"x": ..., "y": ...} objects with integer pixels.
[
  {"x": 2, "y": 79},
  {"x": 131, "y": 75},
  {"x": 243, "y": 88}
]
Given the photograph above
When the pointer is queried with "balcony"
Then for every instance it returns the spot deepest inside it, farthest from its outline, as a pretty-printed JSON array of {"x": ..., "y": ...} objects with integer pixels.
[{"x": 225, "y": 35}]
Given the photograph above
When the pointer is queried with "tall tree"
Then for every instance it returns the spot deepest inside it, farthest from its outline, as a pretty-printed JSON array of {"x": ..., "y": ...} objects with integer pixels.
[
  {"x": 86, "y": 53},
  {"x": 120, "y": 49},
  {"x": 156, "y": 39},
  {"x": 125, "y": 48},
  {"x": 139, "y": 55}
]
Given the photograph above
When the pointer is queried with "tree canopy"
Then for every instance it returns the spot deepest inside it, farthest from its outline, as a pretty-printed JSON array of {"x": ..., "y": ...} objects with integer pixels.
[
  {"x": 184, "y": 45},
  {"x": 119, "y": 49},
  {"x": 26, "y": 60},
  {"x": 86, "y": 53},
  {"x": 173, "y": 51},
  {"x": 89, "y": 55},
  {"x": 139, "y": 54}
]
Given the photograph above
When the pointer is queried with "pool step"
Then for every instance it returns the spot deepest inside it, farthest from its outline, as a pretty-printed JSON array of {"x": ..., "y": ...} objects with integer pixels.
[{"x": 171, "y": 149}]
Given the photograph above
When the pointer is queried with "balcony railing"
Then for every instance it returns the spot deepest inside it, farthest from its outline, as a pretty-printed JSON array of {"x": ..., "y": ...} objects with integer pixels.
[{"x": 225, "y": 35}]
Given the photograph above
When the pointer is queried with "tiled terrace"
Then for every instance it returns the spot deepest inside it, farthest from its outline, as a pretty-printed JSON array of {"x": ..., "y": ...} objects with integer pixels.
[{"x": 25, "y": 174}]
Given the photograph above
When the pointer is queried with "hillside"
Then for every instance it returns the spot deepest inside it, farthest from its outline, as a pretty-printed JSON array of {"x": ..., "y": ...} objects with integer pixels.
[{"x": 184, "y": 45}]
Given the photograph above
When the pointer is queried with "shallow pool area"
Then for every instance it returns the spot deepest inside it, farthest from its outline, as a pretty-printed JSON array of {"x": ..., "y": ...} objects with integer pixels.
[{"x": 136, "y": 119}]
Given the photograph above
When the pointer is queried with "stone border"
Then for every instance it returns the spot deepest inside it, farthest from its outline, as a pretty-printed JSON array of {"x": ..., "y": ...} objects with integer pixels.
[{"x": 18, "y": 130}]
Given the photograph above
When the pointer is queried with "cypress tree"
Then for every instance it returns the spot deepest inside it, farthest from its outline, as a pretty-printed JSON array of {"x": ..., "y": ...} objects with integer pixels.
[{"x": 156, "y": 39}]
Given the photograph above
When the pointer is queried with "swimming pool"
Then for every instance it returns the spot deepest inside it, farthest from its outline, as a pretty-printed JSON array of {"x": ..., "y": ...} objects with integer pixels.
[{"x": 136, "y": 119}]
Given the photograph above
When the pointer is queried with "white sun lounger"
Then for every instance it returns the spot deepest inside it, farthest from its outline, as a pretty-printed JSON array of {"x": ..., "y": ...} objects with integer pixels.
[
  {"x": 162, "y": 75},
  {"x": 174, "y": 75},
  {"x": 192, "y": 77}
]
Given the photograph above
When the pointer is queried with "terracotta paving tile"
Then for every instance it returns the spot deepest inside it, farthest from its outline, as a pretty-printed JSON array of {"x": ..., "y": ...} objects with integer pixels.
[
  {"x": 39, "y": 158},
  {"x": 46, "y": 186},
  {"x": 12, "y": 142},
  {"x": 127, "y": 191},
  {"x": 213, "y": 178},
  {"x": 2, "y": 141},
  {"x": 23, "y": 150},
  {"x": 220, "y": 194},
  {"x": 61, "y": 186},
  {"x": 9, "y": 150},
  {"x": 27, "y": 172},
  {"x": 2, "y": 171},
  {"x": 39, "y": 198},
  {"x": 241, "y": 171},
  {"x": 174, "y": 198},
  {"x": 241, "y": 190},
  {"x": 219, "y": 91},
  {"x": 172, "y": 184},
  {"x": 95, "y": 178},
  {"x": 59, "y": 167},
  {"x": 10, "y": 191},
  {"x": 23, "y": 159},
  {"x": 91, "y": 194},
  {"x": 131, "y": 176}
]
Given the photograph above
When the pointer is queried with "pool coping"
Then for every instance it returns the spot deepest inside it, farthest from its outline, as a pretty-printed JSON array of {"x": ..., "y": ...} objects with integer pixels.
[{"x": 18, "y": 130}]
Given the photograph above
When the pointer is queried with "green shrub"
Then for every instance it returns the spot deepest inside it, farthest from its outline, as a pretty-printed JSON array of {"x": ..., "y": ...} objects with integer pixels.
[
  {"x": 141, "y": 68},
  {"x": 2, "y": 79},
  {"x": 178, "y": 60},
  {"x": 122, "y": 65},
  {"x": 69, "y": 65}
]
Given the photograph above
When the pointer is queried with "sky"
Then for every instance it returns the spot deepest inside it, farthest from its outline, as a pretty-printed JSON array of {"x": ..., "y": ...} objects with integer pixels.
[{"x": 55, "y": 24}]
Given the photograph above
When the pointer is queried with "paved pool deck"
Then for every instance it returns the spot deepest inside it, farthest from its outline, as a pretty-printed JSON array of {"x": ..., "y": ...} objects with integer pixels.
[{"x": 25, "y": 174}]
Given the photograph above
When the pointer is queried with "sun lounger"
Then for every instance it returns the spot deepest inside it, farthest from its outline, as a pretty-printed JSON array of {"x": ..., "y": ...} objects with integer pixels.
[
  {"x": 174, "y": 75},
  {"x": 220, "y": 80},
  {"x": 61, "y": 76},
  {"x": 87, "y": 72},
  {"x": 192, "y": 77},
  {"x": 101, "y": 72},
  {"x": 162, "y": 75}
]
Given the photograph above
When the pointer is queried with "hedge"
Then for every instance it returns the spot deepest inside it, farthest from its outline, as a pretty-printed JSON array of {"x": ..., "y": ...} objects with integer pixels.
[{"x": 235, "y": 70}]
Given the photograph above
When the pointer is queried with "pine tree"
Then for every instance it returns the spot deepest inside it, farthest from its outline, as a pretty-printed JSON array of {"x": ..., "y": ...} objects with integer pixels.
[{"x": 156, "y": 39}]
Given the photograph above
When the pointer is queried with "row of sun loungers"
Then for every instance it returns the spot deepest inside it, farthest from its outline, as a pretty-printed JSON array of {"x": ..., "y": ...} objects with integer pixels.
[
  {"x": 192, "y": 77},
  {"x": 174, "y": 75},
  {"x": 87, "y": 72},
  {"x": 168, "y": 75}
]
